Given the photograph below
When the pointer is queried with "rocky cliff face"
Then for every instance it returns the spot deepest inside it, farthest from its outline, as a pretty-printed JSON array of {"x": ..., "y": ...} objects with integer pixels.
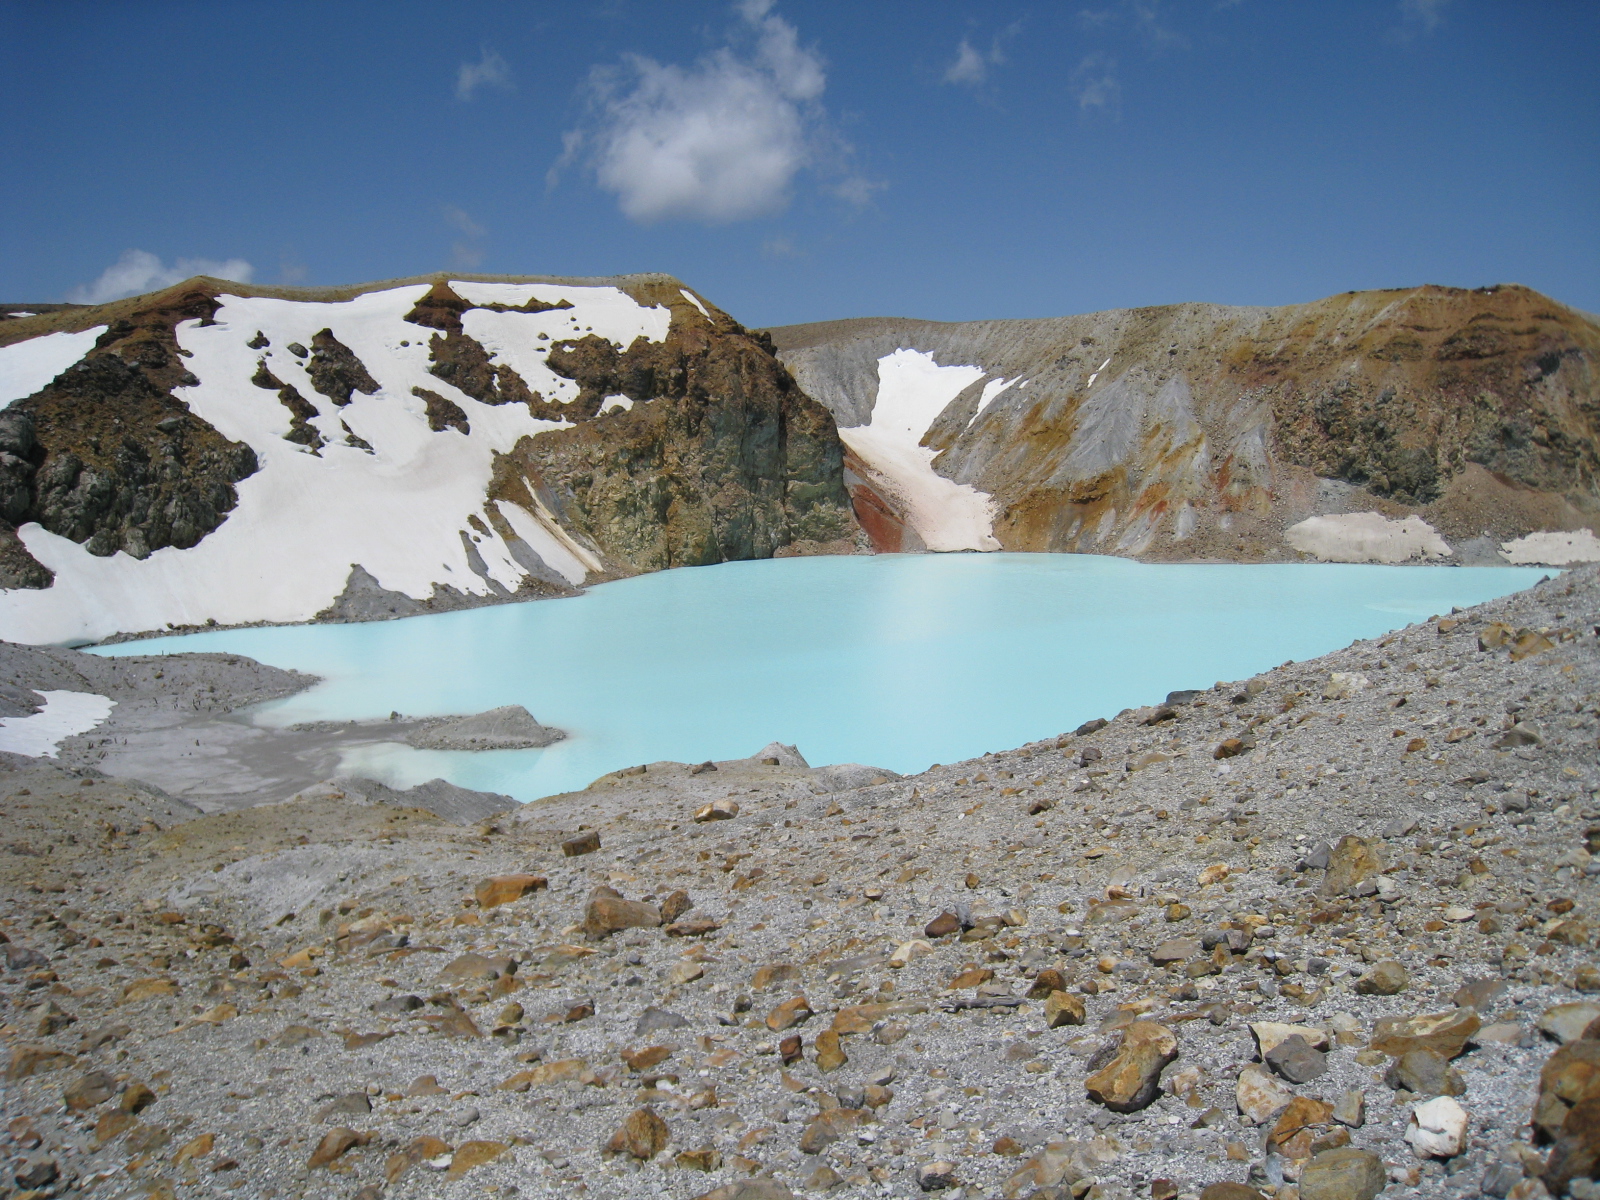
[
  {"x": 107, "y": 456},
  {"x": 1198, "y": 431},
  {"x": 699, "y": 449},
  {"x": 215, "y": 453}
]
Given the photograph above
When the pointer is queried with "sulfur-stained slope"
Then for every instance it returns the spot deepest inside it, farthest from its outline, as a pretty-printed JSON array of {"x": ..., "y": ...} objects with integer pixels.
[{"x": 1201, "y": 431}]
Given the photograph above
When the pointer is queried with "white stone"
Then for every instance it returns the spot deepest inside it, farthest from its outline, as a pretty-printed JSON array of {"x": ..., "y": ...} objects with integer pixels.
[{"x": 1438, "y": 1128}]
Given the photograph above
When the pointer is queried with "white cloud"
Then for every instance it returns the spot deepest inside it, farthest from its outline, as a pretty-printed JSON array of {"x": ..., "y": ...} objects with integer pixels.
[
  {"x": 722, "y": 140},
  {"x": 1429, "y": 14},
  {"x": 1096, "y": 85},
  {"x": 139, "y": 271},
  {"x": 489, "y": 71},
  {"x": 781, "y": 246},
  {"x": 466, "y": 254},
  {"x": 971, "y": 65},
  {"x": 458, "y": 219}
]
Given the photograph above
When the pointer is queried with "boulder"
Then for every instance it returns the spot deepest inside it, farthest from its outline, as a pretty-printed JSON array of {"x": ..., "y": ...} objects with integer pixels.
[
  {"x": 1296, "y": 1061},
  {"x": 503, "y": 889},
  {"x": 1351, "y": 862},
  {"x": 1132, "y": 1079},
  {"x": 1576, "y": 1152},
  {"x": 473, "y": 1154},
  {"x": 718, "y": 810},
  {"x": 1175, "y": 950},
  {"x": 1260, "y": 1097},
  {"x": 1347, "y": 1173},
  {"x": 1063, "y": 1008},
  {"x": 608, "y": 913},
  {"x": 1566, "y": 1022},
  {"x": 1269, "y": 1035},
  {"x": 1425, "y": 1072},
  {"x": 829, "y": 1126},
  {"x": 89, "y": 1091},
  {"x": 583, "y": 843},
  {"x": 1387, "y": 978},
  {"x": 1445, "y": 1033},
  {"x": 1228, "y": 1190},
  {"x": 794, "y": 1011},
  {"x": 1570, "y": 1077}
]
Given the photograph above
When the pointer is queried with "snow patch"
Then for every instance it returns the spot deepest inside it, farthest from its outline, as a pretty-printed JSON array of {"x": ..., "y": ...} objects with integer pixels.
[
  {"x": 401, "y": 511},
  {"x": 1366, "y": 537},
  {"x": 694, "y": 300},
  {"x": 991, "y": 392},
  {"x": 65, "y": 714},
  {"x": 913, "y": 390},
  {"x": 1096, "y": 374},
  {"x": 1552, "y": 548},
  {"x": 29, "y": 365}
]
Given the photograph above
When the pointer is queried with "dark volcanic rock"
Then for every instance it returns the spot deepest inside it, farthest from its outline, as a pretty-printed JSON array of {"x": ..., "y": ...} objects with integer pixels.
[
  {"x": 722, "y": 457},
  {"x": 335, "y": 370},
  {"x": 107, "y": 456}
]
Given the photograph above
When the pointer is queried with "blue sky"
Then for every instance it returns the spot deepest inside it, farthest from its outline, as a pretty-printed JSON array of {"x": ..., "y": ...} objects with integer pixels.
[{"x": 805, "y": 161}]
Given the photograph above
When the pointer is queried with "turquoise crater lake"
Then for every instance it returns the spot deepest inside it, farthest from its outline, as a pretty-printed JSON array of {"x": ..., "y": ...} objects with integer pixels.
[{"x": 899, "y": 661}]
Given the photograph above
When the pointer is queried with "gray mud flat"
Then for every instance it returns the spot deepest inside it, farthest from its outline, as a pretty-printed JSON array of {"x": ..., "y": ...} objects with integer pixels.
[
  {"x": 339, "y": 995},
  {"x": 181, "y": 724}
]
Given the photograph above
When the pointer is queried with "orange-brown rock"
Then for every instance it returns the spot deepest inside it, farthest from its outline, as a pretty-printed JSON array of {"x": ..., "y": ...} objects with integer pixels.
[
  {"x": 504, "y": 889},
  {"x": 643, "y": 1135},
  {"x": 473, "y": 1154},
  {"x": 608, "y": 913},
  {"x": 1132, "y": 1079},
  {"x": 334, "y": 1144},
  {"x": 1445, "y": 1033},
  {"x": 791, "y": 1012},
  {"x": 830, "y": 1052}
]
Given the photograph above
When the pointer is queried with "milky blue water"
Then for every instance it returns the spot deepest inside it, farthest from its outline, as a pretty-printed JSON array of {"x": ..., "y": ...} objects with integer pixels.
[{"x": 899, "y": 661}]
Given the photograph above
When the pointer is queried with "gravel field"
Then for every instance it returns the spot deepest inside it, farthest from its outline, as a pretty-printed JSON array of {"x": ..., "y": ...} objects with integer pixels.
[{"x": 1059, "y": 970}]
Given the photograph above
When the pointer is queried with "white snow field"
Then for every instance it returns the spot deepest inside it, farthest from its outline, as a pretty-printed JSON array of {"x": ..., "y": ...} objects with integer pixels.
[
  {"x": 401, "y": 511},
  {"x": 1547, "y": 548},
  {"x": 63, "y": 715},
  {"x": 27, "y": 366},
  {"x": 1366, "y": 537},
  {"x": 913, "y": 390}
]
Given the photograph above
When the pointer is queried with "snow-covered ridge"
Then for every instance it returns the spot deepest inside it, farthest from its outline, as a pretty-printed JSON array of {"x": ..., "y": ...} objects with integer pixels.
[{"x": 383, "y": 491}]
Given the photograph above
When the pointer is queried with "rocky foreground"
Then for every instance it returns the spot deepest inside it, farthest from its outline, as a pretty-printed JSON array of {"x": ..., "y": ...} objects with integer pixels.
[{"x": 1315, "y": 935}]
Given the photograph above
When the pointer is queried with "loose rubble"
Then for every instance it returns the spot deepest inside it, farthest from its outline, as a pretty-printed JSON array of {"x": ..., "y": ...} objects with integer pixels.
[{"x": 1355, "y": 953}]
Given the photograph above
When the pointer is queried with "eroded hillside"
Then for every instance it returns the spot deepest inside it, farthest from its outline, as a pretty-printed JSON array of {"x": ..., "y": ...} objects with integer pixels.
[{"x": 1200, "y": 431}]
